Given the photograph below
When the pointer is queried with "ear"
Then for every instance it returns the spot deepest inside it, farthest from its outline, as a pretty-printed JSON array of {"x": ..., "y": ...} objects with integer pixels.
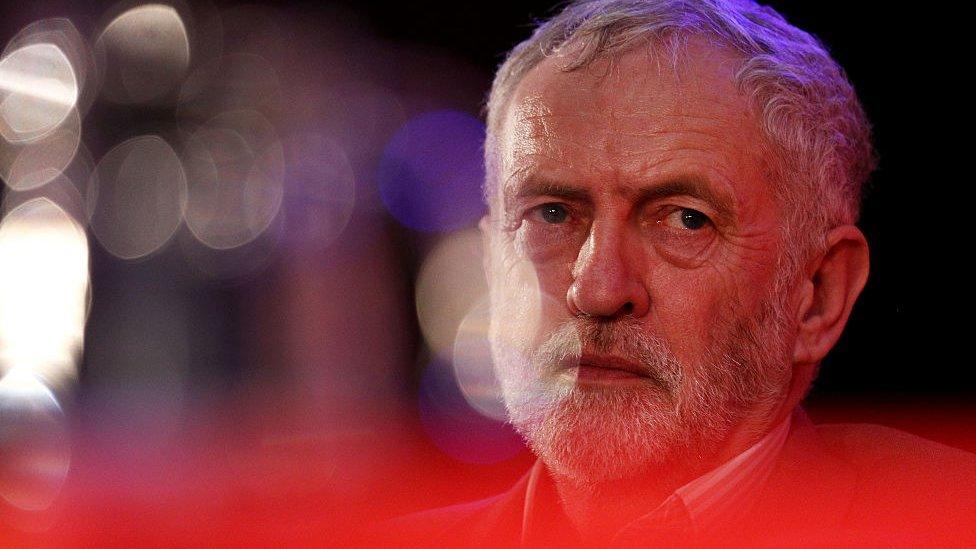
[{"x": 832, "y": 284}]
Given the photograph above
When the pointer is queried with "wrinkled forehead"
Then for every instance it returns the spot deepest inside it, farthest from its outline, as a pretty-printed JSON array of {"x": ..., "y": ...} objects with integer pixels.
[{"x": 626, "y": 112}]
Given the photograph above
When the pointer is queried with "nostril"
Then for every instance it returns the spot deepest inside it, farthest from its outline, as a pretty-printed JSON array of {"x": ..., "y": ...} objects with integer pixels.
[{"x": 627, "y": 309}]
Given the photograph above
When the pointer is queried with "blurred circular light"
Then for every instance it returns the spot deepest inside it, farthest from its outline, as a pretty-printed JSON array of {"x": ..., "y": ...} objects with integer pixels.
[
  {"x": 472, "y": 361},
  {"x": 143, "y": 54},
  {"x": 43, "y": 289},
  {"x": 62, "y": 33},
  {"x": 38, "y": 92},
  {"x": 235, "y": 170},
  {"x": 26, "y": 166},
  {"x": 60, "y": 191},
  {"x": 34, "y": 437},
  {"x": 450, "y": 283},
  {"x": 66, "y": 190},
  {"x": 320, "y": 192},
  {"x": 137, "y": 196},
  {"x": 458, "y": 430},
  {"x": 432, "y": 169},
  {"x": 517, "y": 319}
]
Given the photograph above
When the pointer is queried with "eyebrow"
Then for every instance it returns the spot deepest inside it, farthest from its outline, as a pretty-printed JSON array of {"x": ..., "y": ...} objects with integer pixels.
[
  {"x": 693, "y": 186},
  {"x": 687, "y": 185},
  {"x": 544, "y": 187}
]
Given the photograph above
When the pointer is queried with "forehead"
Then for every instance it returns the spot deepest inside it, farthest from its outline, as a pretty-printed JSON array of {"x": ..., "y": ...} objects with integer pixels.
[{"x": 632, "y": 119}]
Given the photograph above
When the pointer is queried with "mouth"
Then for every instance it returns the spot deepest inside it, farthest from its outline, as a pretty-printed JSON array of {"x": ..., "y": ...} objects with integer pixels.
[{"x": 608, "y": 370}]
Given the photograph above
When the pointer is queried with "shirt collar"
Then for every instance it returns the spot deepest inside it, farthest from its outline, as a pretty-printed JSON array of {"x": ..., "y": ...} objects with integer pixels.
[
  {"x": 725, "y": 492},
  {"x": 718, "y": 496}
]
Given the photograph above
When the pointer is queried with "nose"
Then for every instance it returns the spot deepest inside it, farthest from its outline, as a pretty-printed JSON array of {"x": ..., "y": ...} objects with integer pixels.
[{"x": 607, "y": 276}]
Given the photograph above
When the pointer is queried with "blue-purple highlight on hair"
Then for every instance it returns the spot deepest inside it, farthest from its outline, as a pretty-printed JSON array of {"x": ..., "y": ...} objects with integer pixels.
[{"x": 431, "y": 171}]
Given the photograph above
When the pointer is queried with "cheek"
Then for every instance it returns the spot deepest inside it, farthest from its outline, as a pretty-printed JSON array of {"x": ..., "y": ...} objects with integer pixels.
[
  {"x": 517, "y": 300},
  {"x": 550, "y": 246},
  {"x": 551, "y": 259},
  {"x": 555, "y": 280},
  {"x": 696, "y": 309},
  {"x": 687, "y": 306}
]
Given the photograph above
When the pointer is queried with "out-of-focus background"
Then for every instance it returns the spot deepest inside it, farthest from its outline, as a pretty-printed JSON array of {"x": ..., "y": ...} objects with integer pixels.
[{"x": 241, "y": 297}]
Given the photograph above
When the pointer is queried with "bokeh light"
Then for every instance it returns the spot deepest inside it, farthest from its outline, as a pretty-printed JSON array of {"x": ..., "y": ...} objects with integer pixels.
[
  {"x": 137, "y": 196},
  {"x": 235, "y": 171},
  {"x": 451, "y": 281},
  {"x": 143, "y": 54},
  {"x": 431, "y": 171},
  {"x": 472, "y": 362},
  {"x": 62, "y": 33},
  {"x": 516, "y": 333},
  {"x": 43, "y": 290},
  {"x": 518, "y": 320},
  {"x": 457, "y": 429},
  {"x": 38, "y": 91},
  {"x": 66, "y": 189},
  {"x": 60, "y": 191},
  {"x": 30, "y": 165},
  {"x": 34, "y": 437}
]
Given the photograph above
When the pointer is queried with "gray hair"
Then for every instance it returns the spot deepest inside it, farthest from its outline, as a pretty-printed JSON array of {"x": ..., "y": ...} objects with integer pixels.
[{"x": 809, "y": 113}]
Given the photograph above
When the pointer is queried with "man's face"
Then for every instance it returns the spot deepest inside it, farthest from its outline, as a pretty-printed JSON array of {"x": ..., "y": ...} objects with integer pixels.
[{"x": 633, "y": 247}]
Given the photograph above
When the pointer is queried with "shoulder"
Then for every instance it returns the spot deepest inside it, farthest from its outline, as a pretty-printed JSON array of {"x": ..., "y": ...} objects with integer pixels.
[
  {"x": 903, "y": 478},
  {"x": 885, "y": 453},
  {"x": 846, "y": 484}
]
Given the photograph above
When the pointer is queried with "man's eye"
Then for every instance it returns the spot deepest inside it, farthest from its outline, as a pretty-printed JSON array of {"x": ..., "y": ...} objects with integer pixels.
[
  {"x": 687, "y": 219},
  {"x": 553, "y": 213}
]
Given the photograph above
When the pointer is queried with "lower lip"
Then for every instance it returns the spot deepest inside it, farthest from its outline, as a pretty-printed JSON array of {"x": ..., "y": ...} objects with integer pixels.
[{"x": 596, "y": 374}]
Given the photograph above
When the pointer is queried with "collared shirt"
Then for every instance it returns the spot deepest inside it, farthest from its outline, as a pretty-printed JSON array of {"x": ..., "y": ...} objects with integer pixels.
[{"x": 719, "y": 496}]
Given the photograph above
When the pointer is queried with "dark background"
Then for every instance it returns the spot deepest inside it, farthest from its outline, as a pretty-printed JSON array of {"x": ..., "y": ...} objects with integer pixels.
[{"x": 906, "y": 334}]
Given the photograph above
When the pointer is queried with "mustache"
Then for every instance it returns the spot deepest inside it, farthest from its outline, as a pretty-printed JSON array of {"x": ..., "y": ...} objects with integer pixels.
[{"x": 625, "y": 338}]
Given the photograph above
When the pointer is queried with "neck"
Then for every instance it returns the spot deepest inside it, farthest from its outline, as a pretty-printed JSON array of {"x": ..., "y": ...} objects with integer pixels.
[{"x": 599, "y": 511}]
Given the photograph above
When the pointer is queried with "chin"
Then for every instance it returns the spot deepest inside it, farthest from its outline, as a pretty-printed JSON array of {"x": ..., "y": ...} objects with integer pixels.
[{"x": 594, "y": 436}]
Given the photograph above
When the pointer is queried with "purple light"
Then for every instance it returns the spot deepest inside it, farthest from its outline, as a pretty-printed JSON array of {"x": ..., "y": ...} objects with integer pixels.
[{"x": 431, "y": 171}]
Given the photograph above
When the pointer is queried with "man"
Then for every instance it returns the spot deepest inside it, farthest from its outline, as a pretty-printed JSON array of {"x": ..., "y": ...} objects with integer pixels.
[{"x": 673, "y": 187}]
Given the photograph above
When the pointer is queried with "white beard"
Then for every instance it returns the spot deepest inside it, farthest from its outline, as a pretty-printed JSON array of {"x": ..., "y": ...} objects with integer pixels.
[{"x": 681, "y": 416}]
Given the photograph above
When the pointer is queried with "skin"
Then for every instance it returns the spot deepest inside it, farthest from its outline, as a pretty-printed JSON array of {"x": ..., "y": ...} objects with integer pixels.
[{"x": 638, "y": 196}]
